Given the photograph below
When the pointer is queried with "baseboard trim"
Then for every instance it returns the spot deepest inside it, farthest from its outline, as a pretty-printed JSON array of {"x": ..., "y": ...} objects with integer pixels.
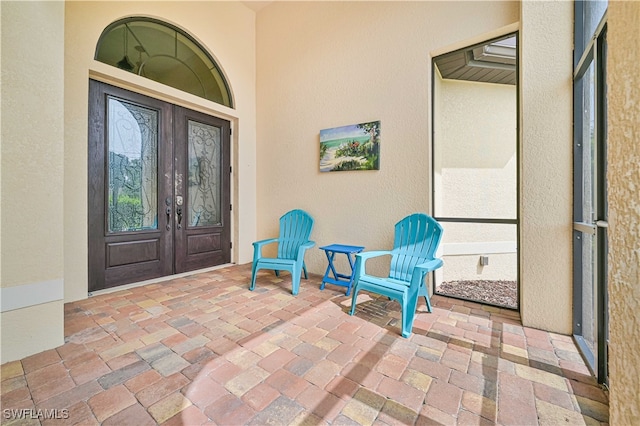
[{"x": 26, "y": 295}]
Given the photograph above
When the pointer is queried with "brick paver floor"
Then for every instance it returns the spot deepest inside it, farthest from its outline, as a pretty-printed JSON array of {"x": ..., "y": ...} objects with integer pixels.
[{"x": 206, "y": 350}]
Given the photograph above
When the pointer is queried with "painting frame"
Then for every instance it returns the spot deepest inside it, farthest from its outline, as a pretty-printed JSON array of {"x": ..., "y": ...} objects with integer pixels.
[{"x": 352, "y": 147}]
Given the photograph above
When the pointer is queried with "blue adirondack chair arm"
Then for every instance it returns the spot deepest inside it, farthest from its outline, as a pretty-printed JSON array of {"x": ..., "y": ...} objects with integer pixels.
[
  {"x": 419, "y": 273},
  {"x": 293, "y": 241},
  {"x": 361, "y": 260},
  {"x": 429, "y": 266},
  {"x": 260, "y": 244}
]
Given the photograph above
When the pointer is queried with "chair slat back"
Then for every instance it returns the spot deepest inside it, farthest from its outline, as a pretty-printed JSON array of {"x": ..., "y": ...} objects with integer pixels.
[
  {"x": 416, "y": 240},
  {"x": 295, "y": 230}
]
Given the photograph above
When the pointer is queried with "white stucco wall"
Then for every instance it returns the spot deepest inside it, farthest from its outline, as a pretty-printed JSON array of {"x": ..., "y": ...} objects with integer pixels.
[
  {"x": 227, "y": 30},
  {"x": 475, "y": 143},
  {"x": 546, "y": 90},
  {"x": 340, "y": 63},
  {"x": 32, "y": 133},
  {"x": 623, "y": 187}
]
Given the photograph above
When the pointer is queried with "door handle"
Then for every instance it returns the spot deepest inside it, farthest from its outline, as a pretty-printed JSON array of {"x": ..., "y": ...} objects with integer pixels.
[
  {"x": 179, "y": 213},
  {"x": 167, "y": 202}
]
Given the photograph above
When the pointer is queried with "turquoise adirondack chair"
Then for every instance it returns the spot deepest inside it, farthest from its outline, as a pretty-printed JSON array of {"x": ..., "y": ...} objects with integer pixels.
[
  {"x": 295, "y": 230},
  {"x": 413, "y": 256}
]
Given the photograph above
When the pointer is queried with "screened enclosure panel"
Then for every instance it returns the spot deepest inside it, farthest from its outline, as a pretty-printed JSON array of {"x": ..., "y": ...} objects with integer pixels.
[
  {"x": 593, "y": 12},
  {"x": 588, "y": 292},
  {"x": 480, "y": 263},
  {"x": 589, "y": 166},
  {"x": 474, "y": 153},
  {"x": 589, "y": 188}
]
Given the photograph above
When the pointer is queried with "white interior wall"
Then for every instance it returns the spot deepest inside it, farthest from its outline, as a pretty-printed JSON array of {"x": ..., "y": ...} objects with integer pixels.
[
  {"x": 347, "y": 63},
  {"x": 340, "y": 63}
]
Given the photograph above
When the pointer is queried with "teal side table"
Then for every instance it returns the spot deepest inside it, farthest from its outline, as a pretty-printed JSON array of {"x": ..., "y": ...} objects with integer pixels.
[{"x": 331, "y": 276}]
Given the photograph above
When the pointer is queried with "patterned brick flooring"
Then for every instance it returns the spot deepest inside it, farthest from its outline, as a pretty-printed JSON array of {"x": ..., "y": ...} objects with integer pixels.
[{"x": 206, "y": 350}]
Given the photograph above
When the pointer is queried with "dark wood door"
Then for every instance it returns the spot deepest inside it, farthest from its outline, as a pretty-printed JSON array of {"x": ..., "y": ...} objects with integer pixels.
[
  {"x": 156, "y": 193},
  {"x": 203, "y": 234}
]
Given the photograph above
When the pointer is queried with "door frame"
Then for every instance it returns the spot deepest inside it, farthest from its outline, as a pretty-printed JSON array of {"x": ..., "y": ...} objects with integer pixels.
[
  {"x": 481, "y": 220},
  {"x": 97, "y": 186}
]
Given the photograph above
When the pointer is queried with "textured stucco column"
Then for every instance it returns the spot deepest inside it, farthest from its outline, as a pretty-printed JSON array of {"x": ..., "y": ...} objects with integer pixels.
[
  {"x": 623, "y": 185},
  {"x": 546, "y": 45},
  {"x": 32, "y": 286}
]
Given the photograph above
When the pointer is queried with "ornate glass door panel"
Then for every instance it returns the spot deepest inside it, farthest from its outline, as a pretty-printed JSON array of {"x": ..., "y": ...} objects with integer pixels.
[
  {"x": 203, "y": 187},
  {"x": 133, "y": 167},
  {"x": 202, "y": 196}
]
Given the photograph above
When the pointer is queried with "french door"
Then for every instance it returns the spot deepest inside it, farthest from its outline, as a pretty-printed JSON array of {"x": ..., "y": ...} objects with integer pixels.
[{"x": 159, "y": 191}]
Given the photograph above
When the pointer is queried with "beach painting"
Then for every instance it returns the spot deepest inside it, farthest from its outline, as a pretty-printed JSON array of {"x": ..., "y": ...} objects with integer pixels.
[{"x": 353, "y": 147}]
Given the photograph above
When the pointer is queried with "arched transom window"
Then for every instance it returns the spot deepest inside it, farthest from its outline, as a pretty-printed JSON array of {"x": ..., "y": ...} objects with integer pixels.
[{"x": 163, "y": 53}]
